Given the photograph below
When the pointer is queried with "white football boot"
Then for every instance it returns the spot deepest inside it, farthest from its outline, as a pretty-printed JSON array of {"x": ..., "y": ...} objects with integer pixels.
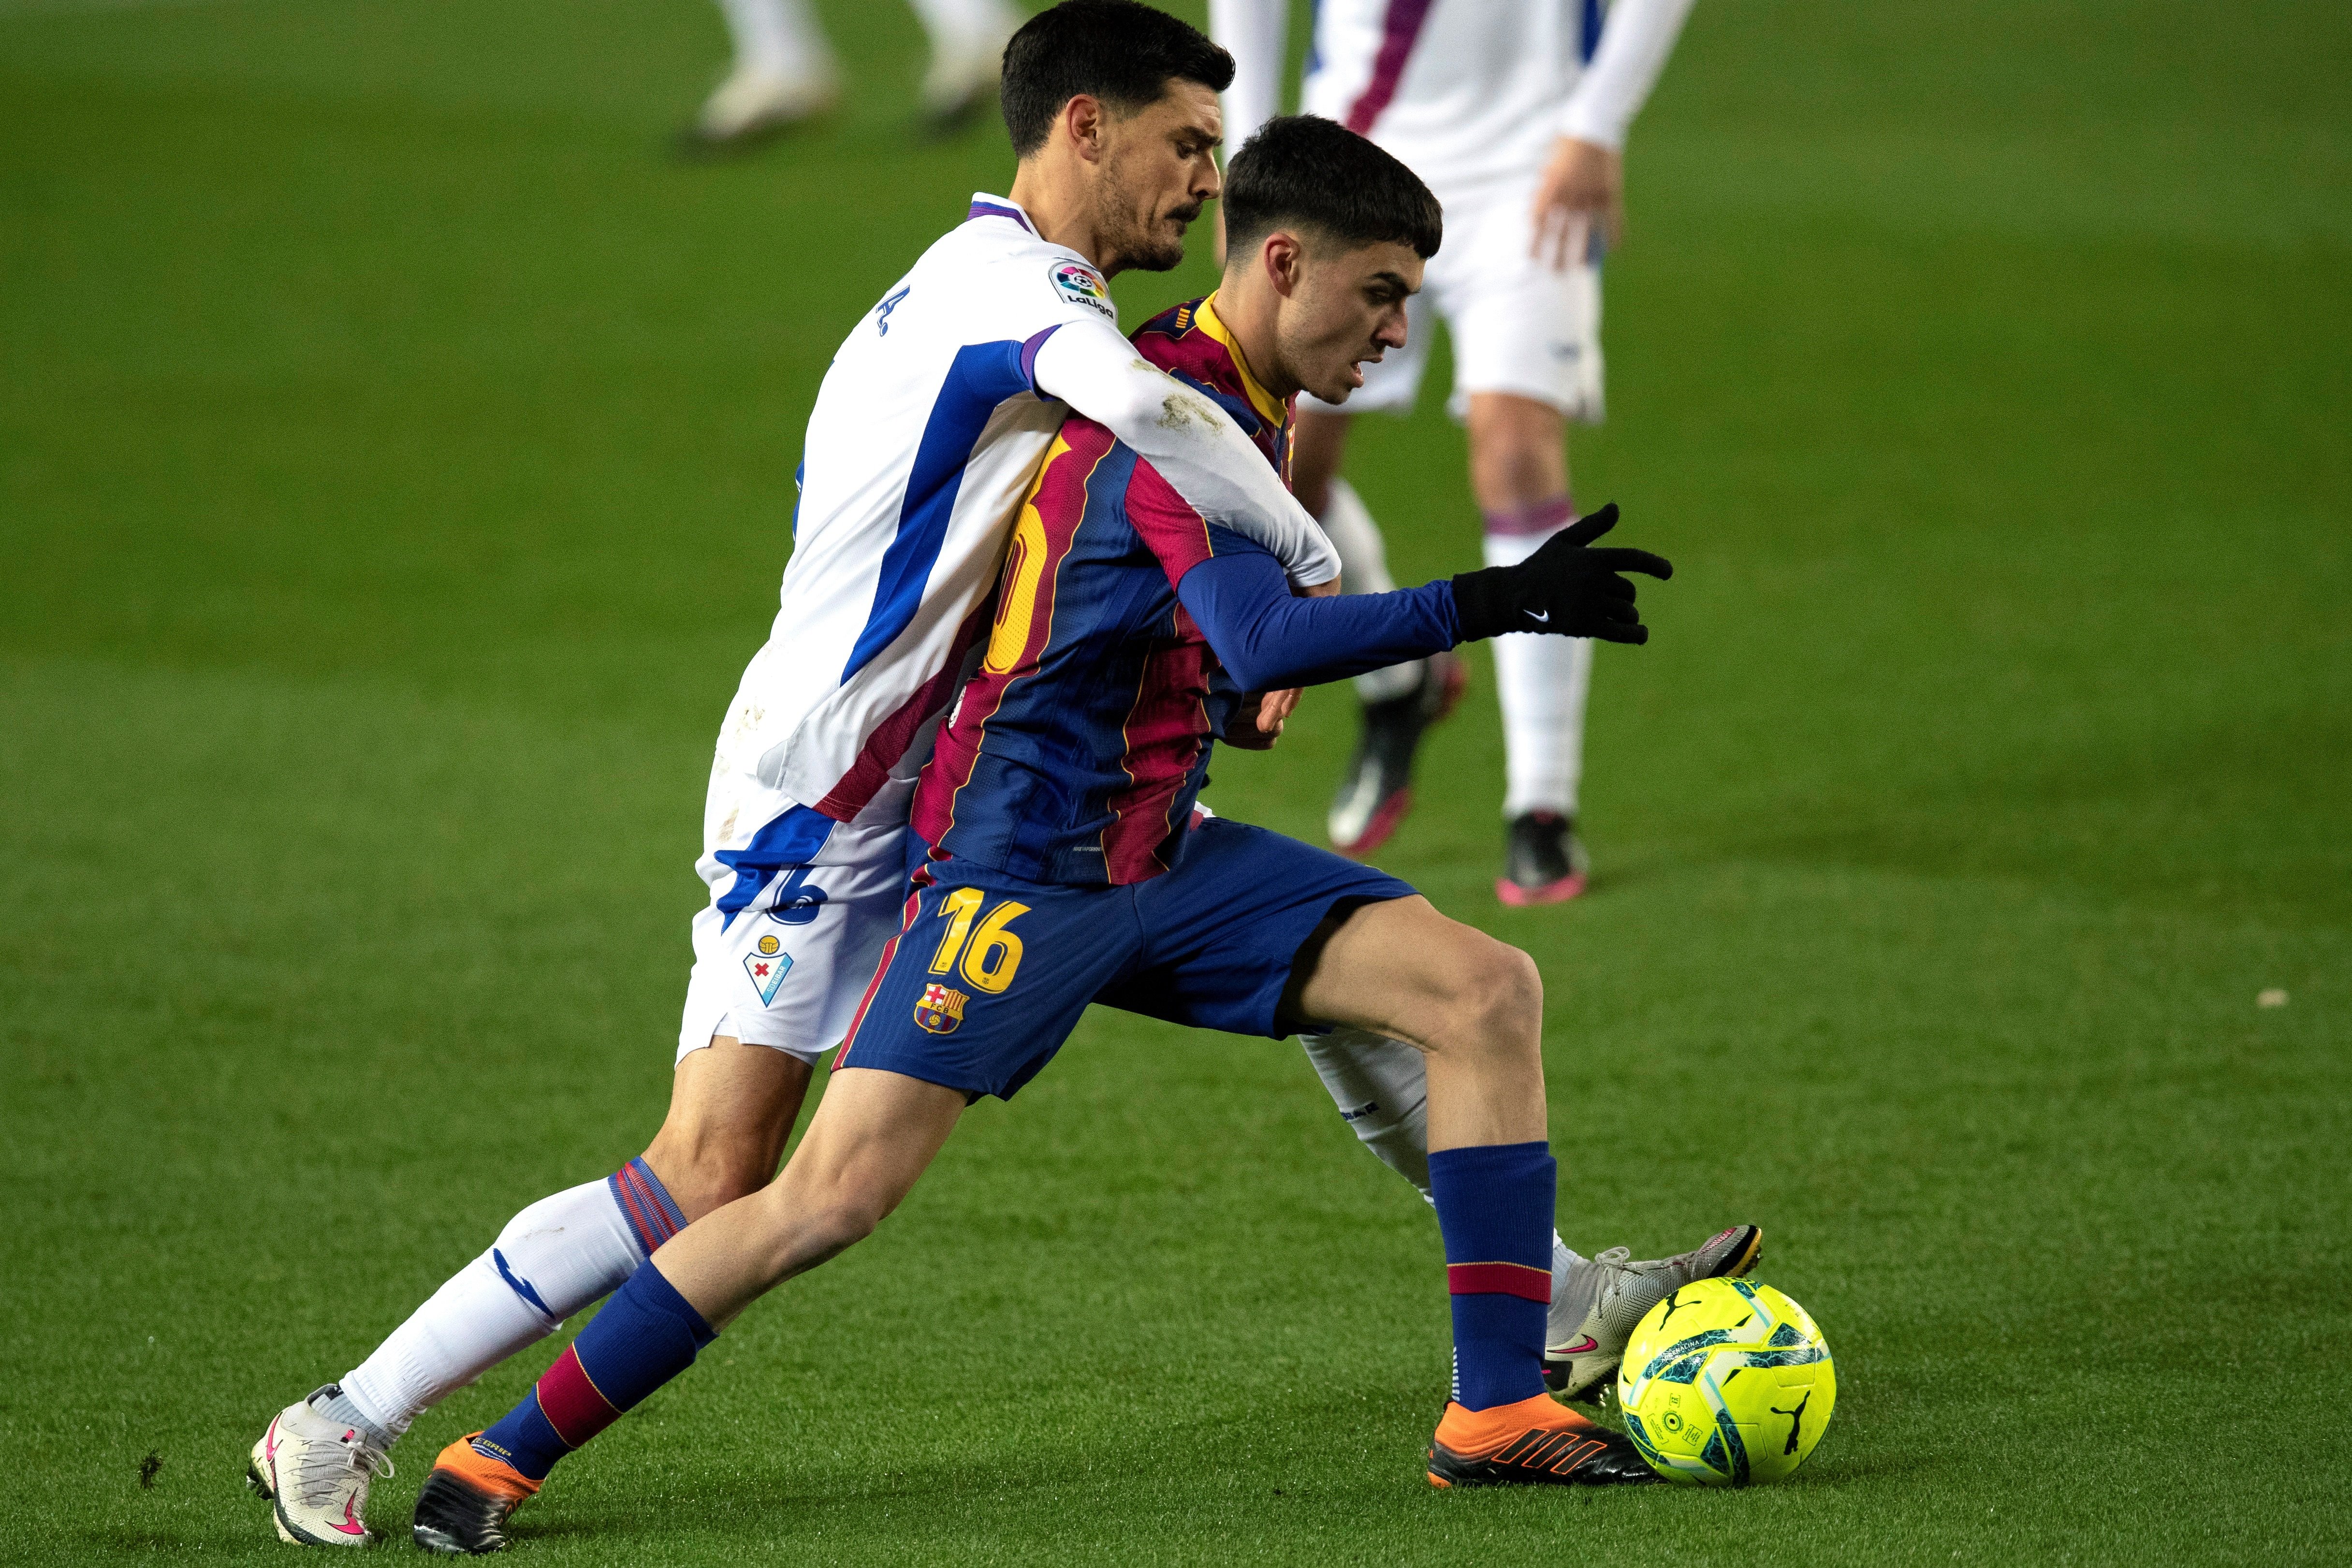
[
  {"x": 316, "y": 1473},
  {"x": 752, "y": 103},
  {"x": 1604, "y": 1297}
]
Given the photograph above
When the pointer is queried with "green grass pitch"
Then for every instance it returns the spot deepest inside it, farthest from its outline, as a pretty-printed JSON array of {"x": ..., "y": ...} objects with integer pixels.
[{"x": 395, "y": 453}]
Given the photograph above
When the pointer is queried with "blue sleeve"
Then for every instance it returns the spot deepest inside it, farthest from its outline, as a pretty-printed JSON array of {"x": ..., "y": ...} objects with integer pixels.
[{"x": 1268, "y": 639}]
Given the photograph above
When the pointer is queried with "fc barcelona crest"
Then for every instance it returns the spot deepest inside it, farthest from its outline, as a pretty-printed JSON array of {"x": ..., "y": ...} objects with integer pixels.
[{"x": 940, "y": 1010}]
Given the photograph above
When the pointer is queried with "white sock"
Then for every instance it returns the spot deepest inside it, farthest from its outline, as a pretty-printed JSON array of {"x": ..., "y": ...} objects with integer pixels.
[
  {"x": 1381, "y": 1088},
  {"x": 1364, "y": 569},
  {"x": 1542, "y": 681},
  {"x": 1563, "y": 1258},
  {"x": 776, "y": 38},
  {"x": 966, "y": 26},
  {"x": 555, "y": 1257}
]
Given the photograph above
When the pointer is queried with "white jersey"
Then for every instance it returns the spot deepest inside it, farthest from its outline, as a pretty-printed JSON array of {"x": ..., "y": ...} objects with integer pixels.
[
  {"x": 1463, "y": 92},
  {"x": 926, "y": 431}
]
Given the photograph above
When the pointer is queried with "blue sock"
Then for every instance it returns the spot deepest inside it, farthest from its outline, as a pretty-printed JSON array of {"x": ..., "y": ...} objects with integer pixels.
[
  {"x": 646, "y": 1334},
  {"x": 1495, "y": 1208}
]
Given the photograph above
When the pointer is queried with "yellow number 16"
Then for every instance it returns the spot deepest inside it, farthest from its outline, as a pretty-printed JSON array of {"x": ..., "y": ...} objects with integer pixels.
[{"x": 995, "y": 954}]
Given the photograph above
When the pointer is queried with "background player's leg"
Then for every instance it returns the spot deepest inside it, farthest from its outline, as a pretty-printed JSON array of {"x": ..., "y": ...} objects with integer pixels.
[
  {"x": 731, "y": 1109},
  {"x": 968, "y": 39},
  {"x": 1519, "y": 472},
  {"x": 784, "y": 71},
  {"x": 1399, "y": 701}
]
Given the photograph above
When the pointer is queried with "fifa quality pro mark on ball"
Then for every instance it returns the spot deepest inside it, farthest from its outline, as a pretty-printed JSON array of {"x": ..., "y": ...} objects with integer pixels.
[{"x": 1726, "y": 1382}]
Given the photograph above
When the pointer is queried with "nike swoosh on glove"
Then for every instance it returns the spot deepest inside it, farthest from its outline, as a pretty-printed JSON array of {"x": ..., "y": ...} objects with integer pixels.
[{"x": 1567, "y": 588}]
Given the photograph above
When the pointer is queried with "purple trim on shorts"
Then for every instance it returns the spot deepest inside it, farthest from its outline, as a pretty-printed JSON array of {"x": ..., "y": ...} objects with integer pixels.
[{"x": 1541, "y": 520}]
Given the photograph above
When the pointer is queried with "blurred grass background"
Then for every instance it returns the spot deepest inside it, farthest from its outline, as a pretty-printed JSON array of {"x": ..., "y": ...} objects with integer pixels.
[{"x": 396, "y": 455}]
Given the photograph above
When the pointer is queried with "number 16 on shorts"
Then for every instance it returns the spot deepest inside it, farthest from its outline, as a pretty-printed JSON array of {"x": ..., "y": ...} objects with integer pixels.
[{"x": 978, "y": 948}]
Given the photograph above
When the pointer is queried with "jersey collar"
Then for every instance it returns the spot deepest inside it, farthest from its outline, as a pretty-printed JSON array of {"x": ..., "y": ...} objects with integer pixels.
[
  {"x": 1269, "y": 408},
  {"x": 985, "y": 206}
]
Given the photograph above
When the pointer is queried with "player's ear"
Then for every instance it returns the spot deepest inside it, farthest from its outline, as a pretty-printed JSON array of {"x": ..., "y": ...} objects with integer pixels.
[
  {"x": 1082, "y": 121},
  {"x": 1284, "y": 260}
]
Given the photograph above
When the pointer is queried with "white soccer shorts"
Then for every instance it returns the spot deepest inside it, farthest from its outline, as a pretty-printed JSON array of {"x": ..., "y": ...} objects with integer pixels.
[
  {"x": 787, "y": 968},
  {"x": 1517, "y": 325}
]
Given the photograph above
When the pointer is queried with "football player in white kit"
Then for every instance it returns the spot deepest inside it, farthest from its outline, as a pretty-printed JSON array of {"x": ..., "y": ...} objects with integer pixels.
[
  {"x": 1515, "y": 113},
  {"x": 926, "y": 430}
]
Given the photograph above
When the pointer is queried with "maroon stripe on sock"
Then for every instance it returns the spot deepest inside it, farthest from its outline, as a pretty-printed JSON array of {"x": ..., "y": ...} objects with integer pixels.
[
  {"x": 571, "y": 1402},
  {"x": 1399, "y": 26},
  {"x": 1500, "y": 1280},
  {"x": 1546, "y": 517}
]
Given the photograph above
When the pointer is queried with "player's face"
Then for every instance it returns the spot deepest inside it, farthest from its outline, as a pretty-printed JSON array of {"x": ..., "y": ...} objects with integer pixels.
[
  {"x": 1347, "y": 308},
  {"x": 1156, "y": 170}
]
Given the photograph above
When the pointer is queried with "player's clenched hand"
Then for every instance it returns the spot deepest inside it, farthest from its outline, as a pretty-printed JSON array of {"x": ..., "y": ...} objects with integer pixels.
[
  {"x": 1258, "y": 718},
  {"x": 1567, "y": 588},
  {"x": 1582, "y": 188}
]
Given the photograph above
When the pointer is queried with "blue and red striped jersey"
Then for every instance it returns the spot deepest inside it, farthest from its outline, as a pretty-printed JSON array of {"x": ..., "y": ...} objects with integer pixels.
[{"x": 1075, "y": 752}]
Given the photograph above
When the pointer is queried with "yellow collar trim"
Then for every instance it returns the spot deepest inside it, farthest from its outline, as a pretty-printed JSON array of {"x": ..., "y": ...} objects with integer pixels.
[{"x": 1269, "y": 407}]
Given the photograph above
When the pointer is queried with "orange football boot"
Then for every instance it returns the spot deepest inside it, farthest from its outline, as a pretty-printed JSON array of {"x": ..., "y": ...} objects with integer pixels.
[
  {"x": 463, "y": 1510},
  {"x": 1535, "y": 1442}
]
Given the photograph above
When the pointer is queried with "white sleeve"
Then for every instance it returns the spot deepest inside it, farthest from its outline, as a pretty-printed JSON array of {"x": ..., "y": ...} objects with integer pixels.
[
  {"x": 1201, "y": 454},
  {"x": 1258, "y": 34},
  {"x": 1634, "y": 43}
]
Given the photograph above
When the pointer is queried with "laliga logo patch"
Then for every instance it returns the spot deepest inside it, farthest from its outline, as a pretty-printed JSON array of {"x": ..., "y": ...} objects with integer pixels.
[
  {"x": 767, "y": 968},
  {"x": 1082, "y": 285},
  {"x": 940, "y": 1010}
]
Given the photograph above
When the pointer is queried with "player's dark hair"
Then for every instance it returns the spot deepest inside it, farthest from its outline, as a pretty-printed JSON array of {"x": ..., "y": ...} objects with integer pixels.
[
  {"x": 1115, "y": 50},
  {"x": 1305, "y": 171}
]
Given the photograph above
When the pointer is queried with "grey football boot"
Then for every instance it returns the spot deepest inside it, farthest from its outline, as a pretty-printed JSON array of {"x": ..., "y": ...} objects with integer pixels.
[{"x": 1604, "y": 1297}]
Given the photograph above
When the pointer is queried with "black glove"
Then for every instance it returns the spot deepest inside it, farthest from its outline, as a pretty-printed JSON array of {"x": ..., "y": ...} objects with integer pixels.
[{"x": 1566, "y": 587}]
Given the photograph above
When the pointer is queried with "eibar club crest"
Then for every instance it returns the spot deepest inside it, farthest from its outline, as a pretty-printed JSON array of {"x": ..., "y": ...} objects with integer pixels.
[
  {"x": 767, "y": 968},
  {"x": 940, "y": 1010}
]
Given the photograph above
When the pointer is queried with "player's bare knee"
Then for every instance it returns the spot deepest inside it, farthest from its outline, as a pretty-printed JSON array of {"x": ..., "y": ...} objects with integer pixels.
[
  {"x": 706, "y": 1166},
  {"x": 1497, "y": 992}
]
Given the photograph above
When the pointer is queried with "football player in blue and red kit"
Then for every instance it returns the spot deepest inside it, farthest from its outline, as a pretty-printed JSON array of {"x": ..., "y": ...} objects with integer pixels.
[{"x": 1067, "y": 862}]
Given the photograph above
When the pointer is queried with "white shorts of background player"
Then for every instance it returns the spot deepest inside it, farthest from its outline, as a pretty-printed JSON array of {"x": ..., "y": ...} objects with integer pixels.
[{"x": 1517, "y": 325}]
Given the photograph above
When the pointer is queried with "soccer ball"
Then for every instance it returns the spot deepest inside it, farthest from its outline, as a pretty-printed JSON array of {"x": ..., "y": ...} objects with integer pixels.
[{"x": 1726, "y": 1382}]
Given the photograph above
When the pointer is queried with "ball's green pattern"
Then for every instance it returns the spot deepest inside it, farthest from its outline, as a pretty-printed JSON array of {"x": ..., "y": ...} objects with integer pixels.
[{"x": 1726, "y": 1381}]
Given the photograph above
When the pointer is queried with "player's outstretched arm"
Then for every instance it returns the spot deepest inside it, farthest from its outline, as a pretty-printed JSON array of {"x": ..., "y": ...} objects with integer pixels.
[
  {"x": 1267, "y": 639},
  {"x": 1567, "y": 588},
  {"x": 1201, "y": 454}
]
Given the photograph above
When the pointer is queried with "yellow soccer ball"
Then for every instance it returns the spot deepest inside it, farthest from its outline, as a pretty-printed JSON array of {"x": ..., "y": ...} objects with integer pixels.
[{"x": 1726, "y": 1382}]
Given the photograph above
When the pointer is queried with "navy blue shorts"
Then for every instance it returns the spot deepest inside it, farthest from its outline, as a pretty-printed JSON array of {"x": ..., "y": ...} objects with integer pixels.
[{"x": 989, "y": 972}]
